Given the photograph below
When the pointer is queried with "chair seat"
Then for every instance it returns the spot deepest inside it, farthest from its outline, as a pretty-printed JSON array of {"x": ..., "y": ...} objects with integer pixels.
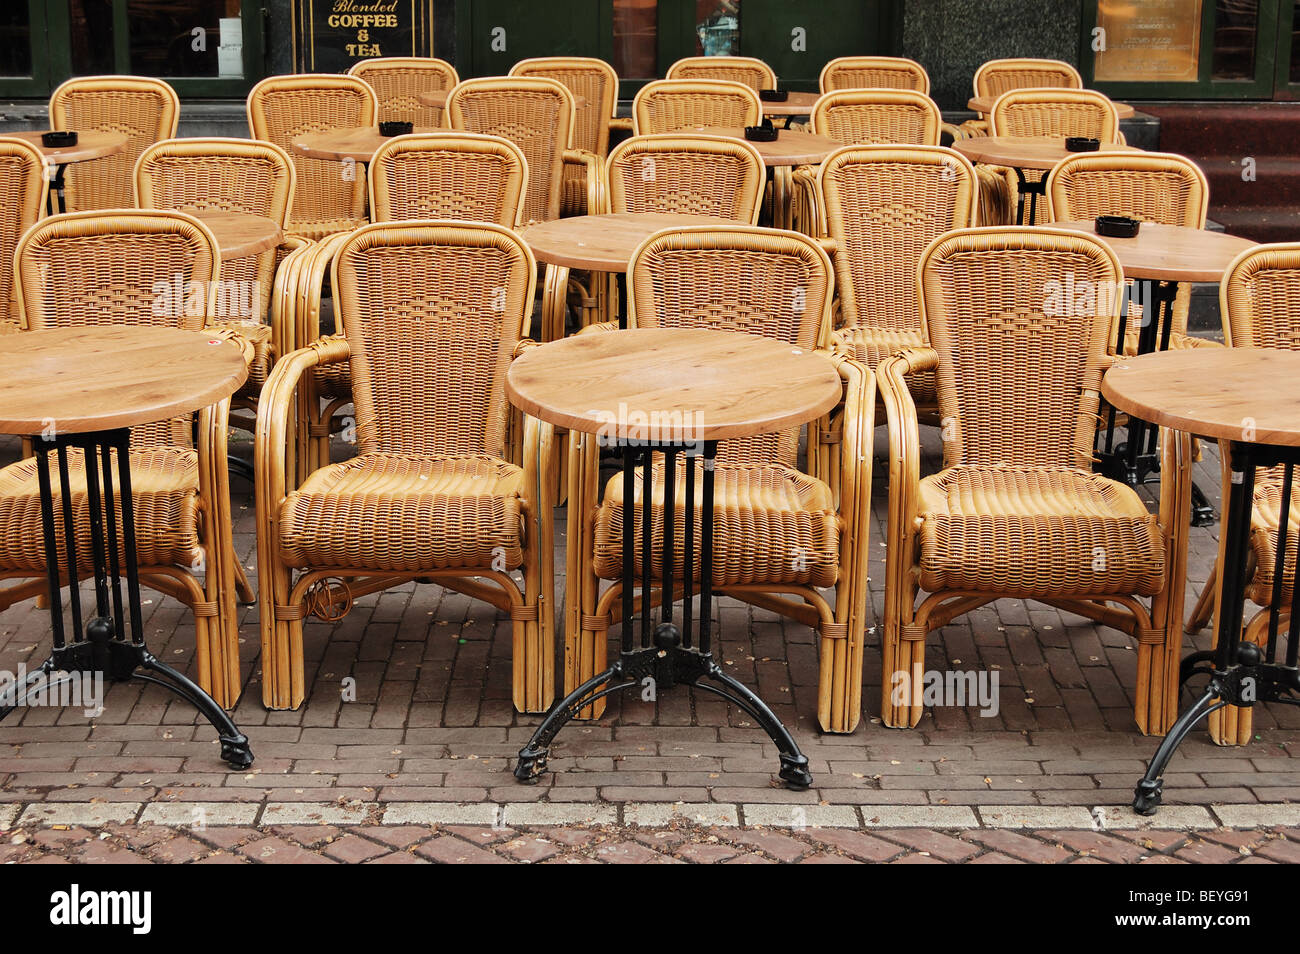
[
  {"x": 396, "y": 513},
  {"x": 771, "y": 524},
  {"x": 1035, "y": 532},
  {"x": 1263, "y": 537},
  {"x": 165, "y": 486}
]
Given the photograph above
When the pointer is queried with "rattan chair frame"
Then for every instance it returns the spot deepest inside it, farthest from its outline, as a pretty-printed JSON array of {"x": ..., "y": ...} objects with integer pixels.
[
  {"x": 696, "y": 175},
  {"x": 873, "y": 72},
  {"x": 330, "y": 196},
  {"x": 693, "y": 103},
  {"x": 837, "y": 455},
  {"x": 996, "y": 77},
  {"x": 746, "y": 70},
  {"x": 24, "y": 192},
  {"x": 290, "y": 594},
  {"x": 1047, "y": 435},
  {"x": 144, "y": 108},
  {"x": 398, "y": 81},
  {"x": 208, "y": 584},
  {"x": 483, "y": 178}
]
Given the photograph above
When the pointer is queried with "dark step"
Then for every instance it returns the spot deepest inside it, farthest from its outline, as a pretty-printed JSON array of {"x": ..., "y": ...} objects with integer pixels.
[
  {"x": 1270, "y": 181},
  {"x": 1228, "y": 129},
  {"x": 1276, "y": 224}
]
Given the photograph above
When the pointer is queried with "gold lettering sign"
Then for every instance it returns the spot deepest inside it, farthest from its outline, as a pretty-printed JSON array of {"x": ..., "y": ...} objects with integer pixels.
[
  {"x": 331, "y": 35},
  {"x": 1148, "y": 41}
]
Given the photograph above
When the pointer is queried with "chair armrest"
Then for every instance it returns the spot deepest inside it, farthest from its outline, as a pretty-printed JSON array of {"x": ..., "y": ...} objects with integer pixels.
[
  {"x": 595, "y": 172},
  {"x": 311, "y": 288},
  {"x": 904, "y": 457},
  {"x": 284, "y": 291},
  {"x": 599, "y": 327},
  {"x": 621, "y": 123},
  {"x": 857, "y": 420},
  {"x": 804, "y": 179},
  {"x": 956, "y": 132}
]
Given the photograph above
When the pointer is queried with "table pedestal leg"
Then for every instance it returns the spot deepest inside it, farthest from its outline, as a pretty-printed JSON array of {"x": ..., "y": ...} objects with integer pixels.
[
  {"x": 1032, "y": 189},
  {"x": 1241, "y": 673},
  {"x": 101, "y": 648},
  {"x": 667, "y": 655}
]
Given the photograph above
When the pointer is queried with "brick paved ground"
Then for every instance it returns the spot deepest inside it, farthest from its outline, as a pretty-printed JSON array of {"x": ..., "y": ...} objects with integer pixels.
[{"x": 433, "y": 724}]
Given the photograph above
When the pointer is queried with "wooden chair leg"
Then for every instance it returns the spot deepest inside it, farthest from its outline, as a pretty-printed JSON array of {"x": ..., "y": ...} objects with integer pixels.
[
  {"x": 584, "y": 645},
  {"x": 1204, "y": 607}
]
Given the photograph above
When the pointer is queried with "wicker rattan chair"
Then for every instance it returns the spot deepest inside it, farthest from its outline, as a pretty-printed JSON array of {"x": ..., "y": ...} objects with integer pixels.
[
  {"x": 1260, "y": 302},
  {"x": 399, "y": 80},
  {"x": 329, "y": 196},
  {"x": 666, "y": 106},
  {"x": 537, "y": 115},
  {"x": 1151, "y": 186},
  {"x": 996, "y": 77},
  {"x": 450, "y": 175},
  {"x": 696, "y": 175},
  {"x": 1054, "y": 113},
  {"x": 883, "y": 205},
  {"x": 24, "y": 189},
  {"x": 1016, "y": 511},
  {"x": 874, "y": 72},
  {"x": 781, "y": 534},
  {"x": 596, "y": 83},
  {"x": 143, "y": 108},
  {"x": 230, "y": 175},
  {"x": 90, "y": 269},
  {"x": 746, "y": 70},
  {"x": 432, "y": 314}
]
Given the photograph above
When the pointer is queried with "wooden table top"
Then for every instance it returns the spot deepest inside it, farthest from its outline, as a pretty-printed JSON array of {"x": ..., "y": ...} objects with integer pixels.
[
  {"x": 358, "y": 144},
  {"x": 672, "y": 385},
  {"x": 1024, "y": 152},
  {"x": 603, "y": 243},
  {"x": 984, "y": 104},
  {"x": 791, "y": 148},
  {"x": 1170, "y": 252},
  {"x": 91, "y": 144},
  {"x": 94, "y": 379},
  {"x": 798, "y": 104},
  {"x": 438, "y": 97},
  {"x": 1240, "y": 394},
  {"x": 240, "y": 234}
]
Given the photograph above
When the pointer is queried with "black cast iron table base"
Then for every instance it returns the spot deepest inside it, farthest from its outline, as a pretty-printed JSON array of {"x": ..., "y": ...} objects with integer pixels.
[
  {"x": 101, "y": 646},
  {"x": 668, "y": 655},
  {"x": 1240, "y": 672}
]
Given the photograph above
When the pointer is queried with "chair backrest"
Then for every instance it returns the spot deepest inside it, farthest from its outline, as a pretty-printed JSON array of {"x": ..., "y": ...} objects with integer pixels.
[
  {"x": 1021, "y": 342},
  {"x": 432, "y": 312},
  {"x": 465, "y": 177},
  {"x": 223, "y": 175},
  {"x": 1057, "y": 113},
  {"x": 996, "y": 77},
  {"x": 697, "y": 175},
  {"x": 534, "y": 113},
  {"x": 399, "y": 80},
  {"x": 874, "y": 72},
  {"x": 124, "y": 267},
  {"x": 330, "y": 196},
  {"x": 587, "y": 77},
  {"x": 1151, "y": 186},
  {"x": 666, "y": 106},
  {"x": 883, "y": 206},
  {"x": 870, "y": 116},
  {"x": 747, "y": 70},
  {"x": 736, "y": 278},
  {"x": 1260, "y": 298},
  {"x": 24, "y": 190},
  {"x": 143, "y": 108}
]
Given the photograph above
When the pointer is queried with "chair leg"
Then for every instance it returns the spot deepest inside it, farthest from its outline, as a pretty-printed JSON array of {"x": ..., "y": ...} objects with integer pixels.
[
  {"x": 902, "y": 664},
  {"x": 584, "y": 646},
  {"x": 1235, "y": 725},
  {"x": 1204, "y": 607},
  {"x": 243, "y": 588}
]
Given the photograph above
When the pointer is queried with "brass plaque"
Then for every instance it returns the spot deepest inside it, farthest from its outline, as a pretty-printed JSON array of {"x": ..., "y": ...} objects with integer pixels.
[{"x": 1148, "y": 41}]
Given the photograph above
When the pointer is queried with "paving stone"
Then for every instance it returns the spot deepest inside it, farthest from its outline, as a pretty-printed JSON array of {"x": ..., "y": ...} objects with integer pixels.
[
  {"x": 440, "y": 813},
  {"x": 200, "y": 814},
  {"x": 800, "y": 816},
  {"x": 557, "y": 813},
  {"x": 79, "y": 813},
  {"x": 663, "y": 813},
  {"x": 314, "y": 813}
]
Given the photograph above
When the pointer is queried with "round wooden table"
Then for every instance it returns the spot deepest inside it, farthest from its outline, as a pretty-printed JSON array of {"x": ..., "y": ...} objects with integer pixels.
[
  {"x": 796, "y": 104},
  {"x": 596, "y": 243},
  {"x": 240, "y": 234},
  {"x": 1247, "y": 398},
  {"x": 1039, "y": 153},
  {"x": 984, "y": 105},
  {"x": 1159, "y": 257},
  {"x": 91, "y": 144},
  {"x": 792, "y": 147},
  {"x": 671, "y": 394},
  {"x": 82, "y": 389},
  {"x": 358, "y": 144}
]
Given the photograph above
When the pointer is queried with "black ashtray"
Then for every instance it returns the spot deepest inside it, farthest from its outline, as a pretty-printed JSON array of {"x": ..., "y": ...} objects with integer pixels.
[
  {"x": 774, "y": 95},
  {"x": 1082, "y": 144},
  {"x": 763, "y": 133},
  {"x": 395, "y": 128},
  {"x": 1117, "y": 226},
  {"x": 58, "y": 138}
]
